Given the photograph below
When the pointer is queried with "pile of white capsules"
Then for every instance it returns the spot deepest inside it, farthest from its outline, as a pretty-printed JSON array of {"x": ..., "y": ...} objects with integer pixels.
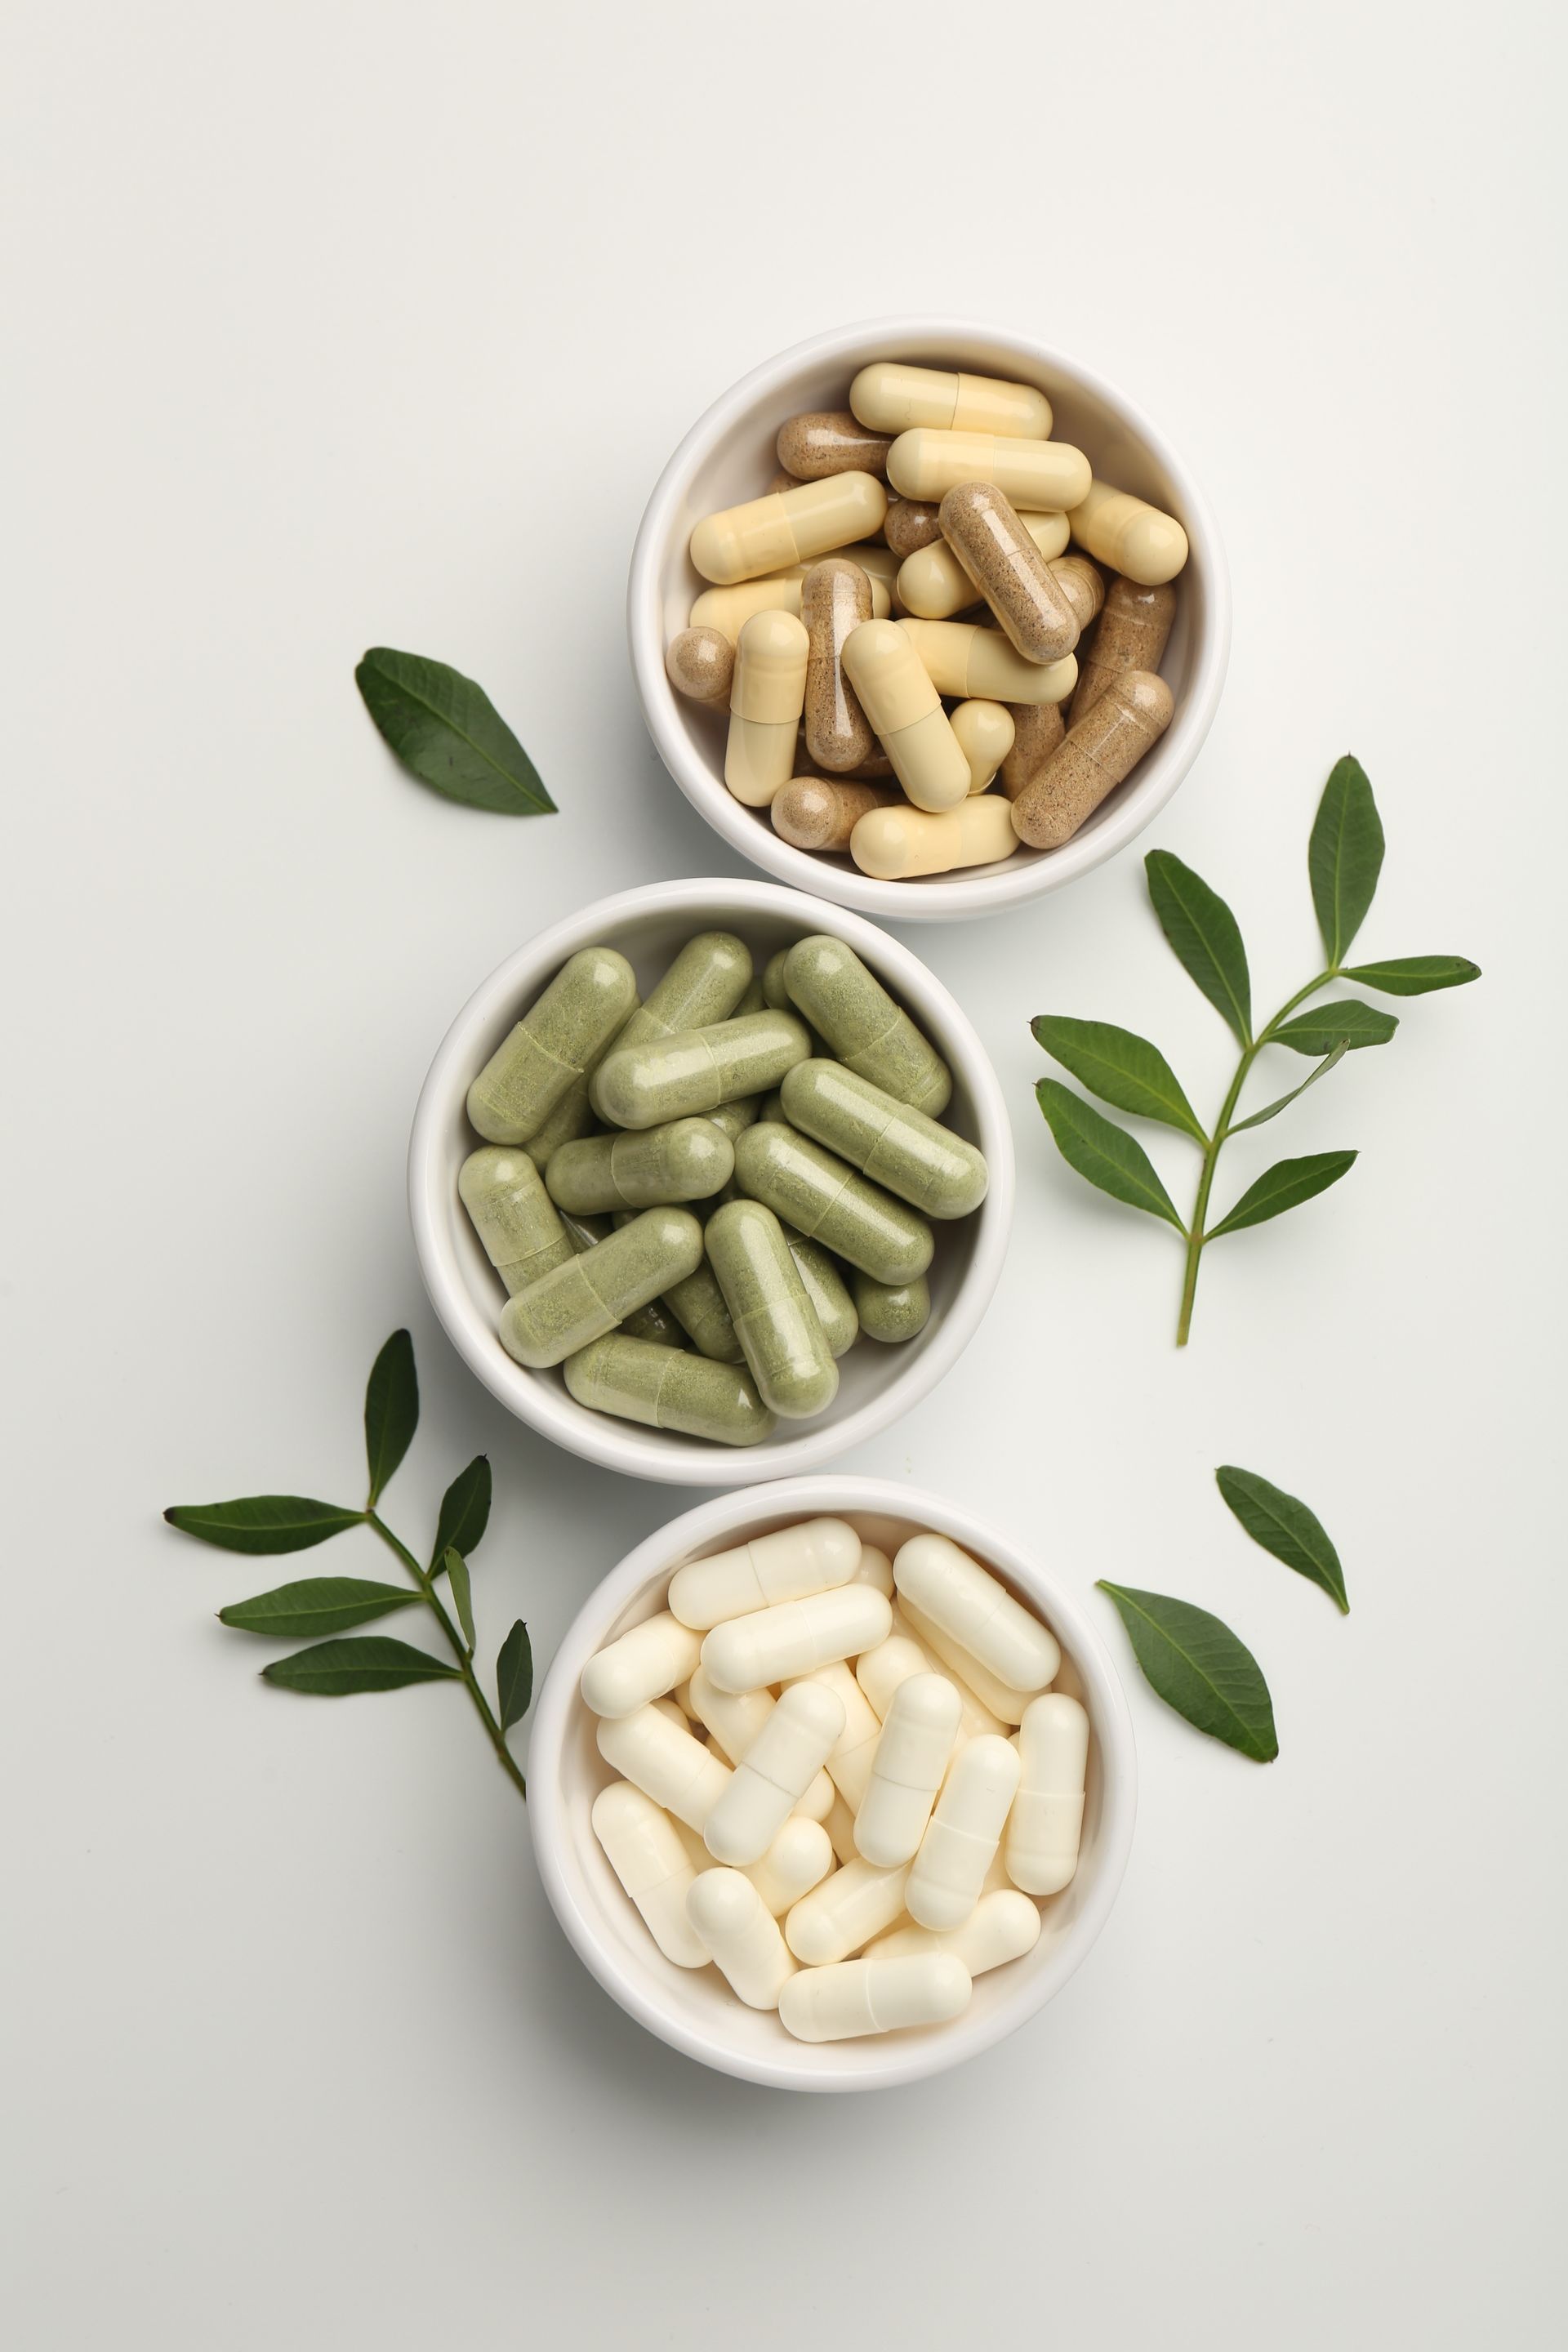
[
  {"x": 823, "y": 1792},
  {"x": 697, "y": 1203},
  {"x": 942, "y": 499}
]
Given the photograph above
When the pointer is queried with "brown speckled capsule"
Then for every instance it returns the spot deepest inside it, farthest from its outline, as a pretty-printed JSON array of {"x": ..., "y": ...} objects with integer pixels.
[
  {"x": 834, "y": 597},
  {"x": 1038, "y": 729},
  {"x": 815, "y": 813},
  {"x": 780, "y": 481},
  {"x": 912, "y": 524},
  {"x": 1083, "y": 585},
  {"x": 831, "y": 441},
  {"x": 981, "y": 525},
  {"x": 701, "y": 665},
  {"x": 1096, "y": 753},
  {"x": 1132, "y": 634}
]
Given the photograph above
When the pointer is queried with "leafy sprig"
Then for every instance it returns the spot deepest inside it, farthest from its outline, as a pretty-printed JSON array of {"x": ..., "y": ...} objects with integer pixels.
[{"x": 1344, "y": 858}]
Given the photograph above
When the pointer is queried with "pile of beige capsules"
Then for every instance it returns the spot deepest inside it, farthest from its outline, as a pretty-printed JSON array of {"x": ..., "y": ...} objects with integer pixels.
[
  {"x": 768, "y": 1186},
  {"x": 795, "y": 642},
  {"x": 818, "y": 1761}
]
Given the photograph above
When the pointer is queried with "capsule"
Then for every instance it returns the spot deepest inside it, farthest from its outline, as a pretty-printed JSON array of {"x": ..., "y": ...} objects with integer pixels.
[
  {"x": 688, "y": 1159},
  {"x": 986, "y": 732},
  {"x": 726, "y": 611},
  {"x": 827, "y": 1201},
  {"x": 768, "y": 534},
  {"x": 781, "y": 1644},
  {"x": 981, "y": 525},
  {"x": 1003, "y": 1927},
  {"x": 668, "y": 1388},
  {"x": 875, "y": 1568},
  {"x": 836, "y": 597},
  {"x": 1041, "y": 476},
  {"x": 766, "y": 703},
  {"x": 892, "y": 398},
  {"x": 829, "y": 1293},
  {"x": 1132, "y": 634},
  {"x": 697, "y": 1070},
  {"x": 1096, "y": 755},
  {"x": 699, "y": 663},
  {"x": 974, "y": 1609},
  {"x": 912, "y": 524},
  {"x": 999, "y": 1698},
  {"x": 813, "y": 1556},
  {"x": 640, "y": 1667},
  {"x": 848, "y": 1006},
  {"x": 1038, "y": 729},
  {"x": 563, "y": 1310},
  {"x": 644, "y": 1849},
  {"x": 707, "y": 981},
  {"x": 799, "y": 1858},
  {"x": 1081, "y": 583},
  {"x": 898, "y": 1147},
  {"x": 512, "y": 1214},
  {"x": 896, "y": 844},
  {"x": 775, "y": 993},
  {"x": 933, "y": 584},
  {"x": 840, "y": 1827},
  {"x": 892, "y": 1312},
  {"x": 665, "y": 1763},
  {"x": 698, "y": 1307},
  {"x": 964, "y": 1833},
  {"x": 649, "y": 1322},
  {"x": 849, "y": 1760},
  {"x": 741, "y": 1936},
  {"x": 557, "y": 1040},
  {"x": 1046, "y": 1820},
  {"x": 731, "y": 1118},
  {"x": 1127, "y": 535},
  {"x": 732, "y": 1718},
  {"x": 907, "y": 1769},
  {"x": 851, "y": 1905},
  {"x": 962, "y": 659},
  {"x": 905, "y": 708},
  {"x": 880, "y": 1672},
  {"x": 775, "y": 1773},
  {"x": 831, "y": 441}
]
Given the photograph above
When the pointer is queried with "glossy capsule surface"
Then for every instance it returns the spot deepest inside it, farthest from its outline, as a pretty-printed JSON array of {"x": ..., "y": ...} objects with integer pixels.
[
  {"x": 556, "y": 1042},
  {"x": 1003, "y": 1927},
  {"x": 892, "y": 1312},
  {"x": 983, "y": 529},
  {"x": 904, "y": 708},
  {"x": 775, "y": 1773},
  {"x": 768, "y": 534},
  {"x": 975, "y": 1609},
  {"x": 836, "y": 597},
  {"x": 665, "y": 1762},
  {"x": 781, "y": 1643},
  {"x": 1127, "y": 535},
  {"x": 695, "y": 1070},
  {"x": 741, "y": 1936},
  {"x": 898, "y": 843},
  {"x": 813, "y": 1556},
  {"x": 1038, "y": 729},
  {"x": 999, "y": 1698},
  {"x": 932, "y": 583},
  {"x": 830, "y": 1203},
  {"x": 907, "y": 1769},
  {"x": 685, "y": 1159},
  {"x": 1097, "y": 752},
  {"x": 897, "y": 1146},
  {"x": 985, "y": 732},
  {"x": 1041, "y": 476},
  {"x": 766, "y": 698},
  {"x": 821, "y": 811},
  {"x": 830, "y": 441},
  {"x": 963, "y": 1834},
  {"x": 910, "y": 525},
  {"x": 644, "y": 1849},
  {"x": 564, "y": 1311},
  {"x": 961, "y": 657},
  {"x": 641, "y": 1665},
  {"x": 784, "y": 1346},
  {"x": 700, "y": 664},
  {"x": 1132, "y": 633},
  {"x": 1045, "y": 1825},
  {"x": 726, "y": 611},
  {"x": 831, "y": 1298},
  {"x": 851, "y": 1905},
  {"x": 891, "y": 397},
  {"x": 512, "y": 1213},
  {"x": 874, "y": 1995},
  {"x": 846, "y": 1004},
  {"x": 649, "y": 1322},
  {"x": 668, "y": 1388}
]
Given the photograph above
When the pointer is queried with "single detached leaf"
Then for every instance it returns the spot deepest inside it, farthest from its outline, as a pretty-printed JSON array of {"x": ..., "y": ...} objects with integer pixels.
[
  {"x": 391, "y": 1409},
  {"x": 514, "y": 1676},
  {"x": 1318, "y": 1030},
  {"x": 1120, "y": 1068},
  {"x": 317, "y": 1604},
  {"x": 1103, "y": 1152},
  {"x": 1284, "y": 1186},
  {"x": 1413, "y": 975},
  {"x": 1283, "y": 1525},
  {"x": 1197, "y": 1664},
  {"x": 465, "y": 1512},
  {"x": 457, "y": 1569},
  {"x": 449, "y": 732},
  {"x": 372, "y": 1663},
  {"x": 1274, "y": 1108},
  {"x": 1344, "y": 856},
  {"x": 1205, "y": 936},
  {"x": 258, "y": 1523}
]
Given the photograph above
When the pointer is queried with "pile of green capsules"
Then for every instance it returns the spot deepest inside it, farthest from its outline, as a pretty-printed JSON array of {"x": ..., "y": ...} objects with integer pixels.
[{"x": 697, "y": 1203}]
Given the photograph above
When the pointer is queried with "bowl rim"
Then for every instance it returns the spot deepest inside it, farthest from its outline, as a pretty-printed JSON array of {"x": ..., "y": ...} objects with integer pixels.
[
  {"x": 950, "y": 897},
  {"x": 893, "y": 2060},
  {"x": 627, "y": 1446}
]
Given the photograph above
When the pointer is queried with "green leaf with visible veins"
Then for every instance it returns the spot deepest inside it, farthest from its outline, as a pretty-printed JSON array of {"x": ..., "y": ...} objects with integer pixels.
[
  {"x": 1104, "y": 1153},
  {"x": 465, "y": 1512},
  {"x": 317, "y": 1604},
  {"x": 1118, "y": 1066},
  {"x": 514, "y": 1676},
  {"x": 371, "y": 1663},
  {"x": 1197, "y": 1665},
  {"x": 448, "y": 733},
  {"x": 1344, "y": 856},
  {"x": 1283, "y": 1525},
  {"x": 1413, "y": 975},
  {"x": 1318, "y": 1030},
  {"x": 1284, "y": 1186},
  {"x": 1205, "y": 935},
  {"x": 391, "y": 1411},
  {"x": 1273, "y": 1110},
  {"x": 263, "y": 1523}
]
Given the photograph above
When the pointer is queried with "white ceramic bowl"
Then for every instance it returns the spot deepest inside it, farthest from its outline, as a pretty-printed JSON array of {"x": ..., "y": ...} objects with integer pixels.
[
  {"x": 877, "y": 1383},
  {"x": 694, "y": 2010},
  {"x": 727, "y": 455}
]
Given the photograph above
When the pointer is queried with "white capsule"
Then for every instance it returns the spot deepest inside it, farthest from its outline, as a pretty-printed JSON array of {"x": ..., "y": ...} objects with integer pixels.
[
  {"x": 1046, "y": 1821},
  {"x": 1003, "y": 1927},
  {"x": 775, "y": 1774},
  {"x": 665, "y": 1762},
  {"x": 1004, "y": 1703},
  {"x": 963, "y": 1834},
  {"x": 840, "y": 1827},
  {"x": 671, "y": 1713},
  {"x": 741, "y": 1936},
  {"x": 976, "y": 1609},
  {"x": 881, "y": 1670},
  {"x": 733, "y": 1719},
  {"x": 799, "y": 1858},
  {"x": 850, "y": 1907},
  {"x": 645, "y": 1851},
  {"x": 642, "y": 1665},
  {"x": 816, "y": 1555},
  {"x": 905, "y": 1770},
  {"x": 876, "y": 1569},
  {"x": 850, "y": 1758},
  {"x": 871, "y": 1995},
  {"x": 775, "y": 1646}
]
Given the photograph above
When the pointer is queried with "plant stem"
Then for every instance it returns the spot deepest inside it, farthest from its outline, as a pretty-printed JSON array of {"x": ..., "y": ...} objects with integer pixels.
[{"x": 493, "y": 1731}]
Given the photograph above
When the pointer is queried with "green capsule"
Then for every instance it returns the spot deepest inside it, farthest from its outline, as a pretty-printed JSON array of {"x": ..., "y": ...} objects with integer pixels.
[
  {"x": 698, "y": 1306},
  {"x": 708, "y": 981},
  {"x": 785, "y": 1347},
  {"x": 573, "y": 1116},
  {"x": 775, "y": 993},
  {"x": 894, "y": 1144},
  {"x": 666, "y": 1388},
  {"x": 697, "y": 1070},
  {"x": 512, "y": 1214},
  {"x": 752, "y": 1002},
  {"x": 848, "y": 1005},
  {"x": 649, "y": 1322},
  {"x": 582, "y": 1299},
  {"x": 687, "y": 1161},
  {"x": 827, "y": 1291},
  {"x": 892, "y": 1311},
  {"x": 826, "y": 1200},
  {"x": 772, "y": 1108},
  {"x": 558, "y": 1039},
  {"x": 731, "y": 1118}
]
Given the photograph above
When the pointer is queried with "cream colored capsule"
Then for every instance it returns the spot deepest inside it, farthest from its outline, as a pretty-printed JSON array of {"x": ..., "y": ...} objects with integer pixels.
[
  {"x": 732, "y": 1718},
  {"x": 1046, "y": 1821},
  {"x": 896, "y": 844},
  {"x": 881, "y": 1670},
  {"x": 1127, "y": 535},
  {"x": 906, "y": 1768},
  {"x": 905, "y": 708},
  {"x": 1134, "y": 629},
  {"x": 775, "y": 1773},
  {"x": 700, "y": 664},
  {"x": 975, "y": 1609},
  {"x": 645, "y": 1851},
  {"x": 876, "y": 1569},
  {"x": 766, "y": 703},
  {"x": 641, "y": 1665},
  {"x": 724, "y": 612},
  {"x": 962, "y": 659},
  {"x": 665, "y": 1762},
  {"x": 1001, "y": 1700},
  {"x": 799, "y": 1858},
  {"x": 1097, "y": 753},
  {"x": 963, "y": 1834},
  {"x": 769, "y": 534},
  {"x": 1038, "y": 729},
  {"x": 1003, "y": 1927},
  {"x": 813, "y": 1556},
  {"x": 1082, "y": 583},
  {"x": 1039, "y": 476},
  {"x": 933, "y": 584},
  {"x": 740, "y": 1936},
  {"x": 775, "y": 1646},
  {"x": 985, "y": 732},
  {"x": 849, "y": 1906},
  {"x": 892, "y": 398},
  {"x": 839, "y": 1824},
  {"x": 869, "y": 1996},
  {"x": 822, "y": 811},
  {"x": 848, "y": 1761}
]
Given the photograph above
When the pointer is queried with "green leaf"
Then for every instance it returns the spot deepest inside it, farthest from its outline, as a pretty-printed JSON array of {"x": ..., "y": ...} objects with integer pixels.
[
  {"x": 317, "y": 1604},
  {"x": 1120, "y": 1068},
  {"x": 1284, "y": 1186},
  {"x": 514, "y": 1676},
  {"x": 1413, "y": 975},
  {"x": 1274, "y": 1108},
  {"x": 1204, "y": 933},
  {"x": 465, "y": 1512},
  {"x": 457, "y": 1569},
  {"x": 1197, "y": 1664},
  {"x": 391, "y": 1411},
  {"x": 1103, "y": 1152},
  {"x": 1344, "y": 856},
  {"x": 263, "y": 1523},
  {"x": 449, "y": 732},
  {"x": 1283, "y": 1525},
  {"x": 374, "y": 1662},
  {"x": 1318, "y": 1030}
]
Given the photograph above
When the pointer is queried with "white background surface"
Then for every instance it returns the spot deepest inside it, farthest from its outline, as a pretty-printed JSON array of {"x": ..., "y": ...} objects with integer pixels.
[{"x": 374, "y": 323}]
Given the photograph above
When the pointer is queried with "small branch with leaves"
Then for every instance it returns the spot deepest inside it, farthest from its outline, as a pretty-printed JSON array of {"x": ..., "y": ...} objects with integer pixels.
[
  {"x": 330, "y": 1605},
  {"x": 1344, "y": 858}
]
